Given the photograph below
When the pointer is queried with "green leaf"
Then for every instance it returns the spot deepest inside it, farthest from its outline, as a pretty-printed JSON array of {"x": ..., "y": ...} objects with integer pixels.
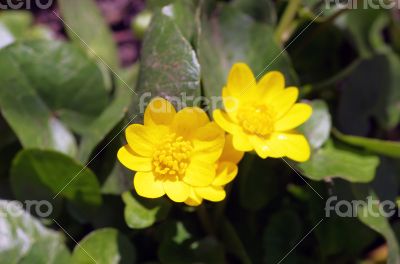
[
  {"x": 169, "y": 67},
  {"x": 183, "y": 14},
  {"x": 51, "y": 79},
  {"x": 371, "y": 216},
  {"x": 335, "y": 161},
  {"x": 85, "y": 25},
  {"x": 25, "y": 240},
  {"x": 179, "y": 246},
  {"x": 383, "y": 147},
  {"x": 258, "y": 184},
  {"x": 318, "y": 128},
  {"x": 104, "y": 246},
  {"x": 281, "y": 234},
  {"x": 142, "y": 213},
  {"x": 234, "y": 37},
  {"x": 261, "y": 10},
  {"x": 18, "y": 25},
  {"x": 368, "y": 94},
  {"x": 43, "y": 175},
  {"x": 97, "y": 130}
]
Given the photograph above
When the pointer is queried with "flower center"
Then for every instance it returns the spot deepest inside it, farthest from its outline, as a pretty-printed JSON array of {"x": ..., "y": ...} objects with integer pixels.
[
  {"x": 258, "y": 119},
  {"x": 171, "y": 158}
]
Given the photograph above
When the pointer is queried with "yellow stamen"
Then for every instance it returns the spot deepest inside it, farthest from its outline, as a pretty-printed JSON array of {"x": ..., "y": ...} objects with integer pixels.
[
  {"x": 258, "y": 119},
  {"x": 171, "y": 158}
]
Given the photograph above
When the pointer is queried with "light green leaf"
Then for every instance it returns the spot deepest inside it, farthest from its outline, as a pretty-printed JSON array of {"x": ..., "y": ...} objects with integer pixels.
[
  {"x": 142, "y": 213},
  {"x": 104, "y": 246},
  {"x": 371, "y": 217},
  {"x": 318, "y": 128},
  {"x": 86, "y": 27},
  {"x": 24, "y": 240},
  {"x": 43, "y": 175},
  {"x": 383, "y": 147},
  {"x": 333, "y": 161},
  {"x": 41, "y": 82},
  {"x": 169, "y": 67}
]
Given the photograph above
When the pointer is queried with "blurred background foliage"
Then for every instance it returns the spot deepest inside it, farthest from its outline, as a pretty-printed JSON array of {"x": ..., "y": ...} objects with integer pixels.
[{"x": 71, "y": 81}]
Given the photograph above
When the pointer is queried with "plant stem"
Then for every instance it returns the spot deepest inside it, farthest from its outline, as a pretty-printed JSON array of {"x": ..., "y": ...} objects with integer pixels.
[
  {"x": 205, "y": 219},
  {"x": 286, "y": 20}
]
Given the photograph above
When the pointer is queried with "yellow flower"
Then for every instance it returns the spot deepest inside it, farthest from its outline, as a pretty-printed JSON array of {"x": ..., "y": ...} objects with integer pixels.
[
  {"x": 173, "y": 153},
  {"x": 226, "y": 171},
  {"x": 262, "y": 116}
]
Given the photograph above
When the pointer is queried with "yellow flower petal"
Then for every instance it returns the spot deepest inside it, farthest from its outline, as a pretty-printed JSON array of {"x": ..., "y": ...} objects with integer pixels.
[
  {"x": 159, "y": 112},
  {"x": 268, "y": 147},
  {"x": 194, "y": 199},
  {"x": 231, "y": 103},
  {"x": 208, "y": 142},
  {"x": 211, "y": 193},
  {"x": 297, "y": 147},
  {"x": 284, "y": 101},
  {"x": 146, "y": 185},
  {"x": 241, "y": 142},
  {"x": 230, "y": 153},
  {"x": 296, "y": 116},
  {"x": 188, "y": 120},
  {"x": 224, "y": 121},
  {"x": 132, "y": 160},
  {"x": 199, "y": 173},
  {"x": 240, "y": 79},
  {"x": 177, "y": 191},
  {"x": 226, "y": 172},
  {"x": 141, "y": 139},
  {"x": 271, "y": 84}
]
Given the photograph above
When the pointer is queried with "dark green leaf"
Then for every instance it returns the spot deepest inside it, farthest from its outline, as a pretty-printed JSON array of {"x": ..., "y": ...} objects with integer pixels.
[
  {"x": 179, "y": 246},
  {"x": 96, "y": 131},
  {"x": 104, "y": 246},
  {"x": 282, "y": 233},
  {"x": 257, "y": 182},
  {"x": 43, "y": 175},
  {"x": 25, "y": 240},
  {"x": 169, "y": 67},
  {"x": 234, "y": 37}
]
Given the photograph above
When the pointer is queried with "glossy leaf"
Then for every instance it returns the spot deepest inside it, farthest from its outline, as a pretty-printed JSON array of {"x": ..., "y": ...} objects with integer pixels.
[
  {"x": 318, "y": 128},
  {"x": 25, "y": 240},
  {"x": 52, "y": 80},
  {"x": 97, "y": 130},
  {"x": 140, "y": 213},
  {"x": 104, "y": 246},
  {"x": 333, "y": 161},
  {"x": 49, "y": 175},
  {"x": 234, "y": 37},
  {"x": 169, "y": 67}
]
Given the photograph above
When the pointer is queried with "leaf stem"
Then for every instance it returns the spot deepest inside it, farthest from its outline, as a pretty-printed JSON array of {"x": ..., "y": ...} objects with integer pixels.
[{"x": 286, "y": 20}]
